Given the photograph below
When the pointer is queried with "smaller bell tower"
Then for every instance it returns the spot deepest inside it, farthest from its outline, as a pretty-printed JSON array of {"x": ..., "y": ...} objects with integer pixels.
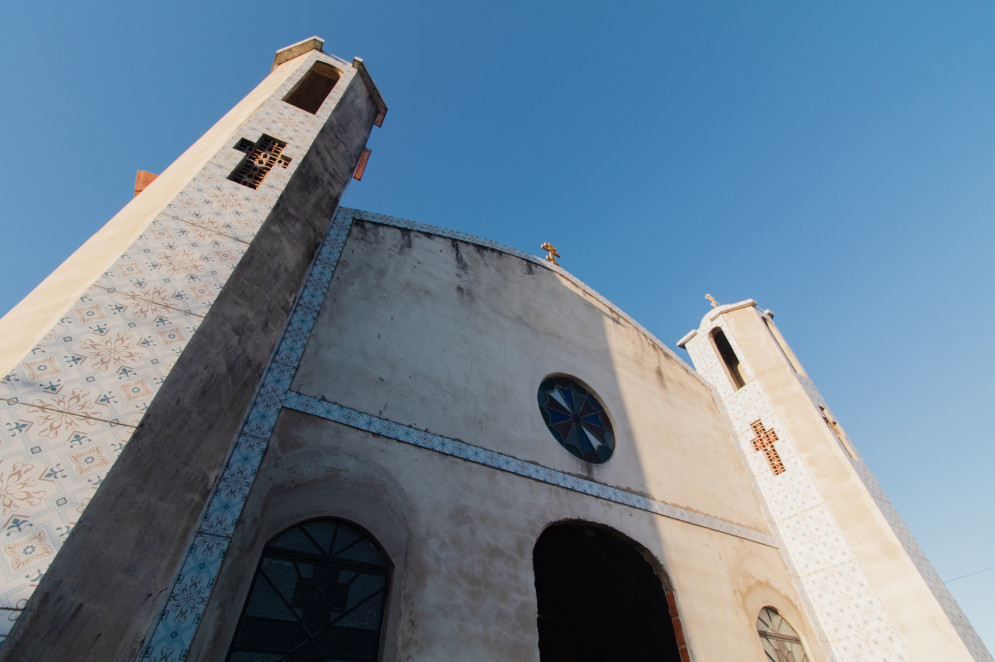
[{"x": 870, "y": 588}]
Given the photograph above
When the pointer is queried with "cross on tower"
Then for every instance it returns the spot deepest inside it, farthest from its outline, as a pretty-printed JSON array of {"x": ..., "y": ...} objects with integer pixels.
[
  {"x": 260, "y": 157},
  {"x": 764, "y": 441}
]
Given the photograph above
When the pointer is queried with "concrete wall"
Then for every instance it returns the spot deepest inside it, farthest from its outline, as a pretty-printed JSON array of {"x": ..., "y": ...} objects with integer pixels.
[
  {"x": 105, "y": 588},
  {"x": 413, "y": 414},
  {"x": 455, "y": 338}
]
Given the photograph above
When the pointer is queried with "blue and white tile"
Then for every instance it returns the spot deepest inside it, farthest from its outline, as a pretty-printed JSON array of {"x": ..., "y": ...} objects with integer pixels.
[
  {"x": 107, "y": 350},
  {"x": 262, "y": 418},
  {"x": 214, "y": 202},
  {"x": 185, "y": 271},
  {"x": 229, "y": 498},
  {"x": 188, "y": 598},
  {"x": 7, "y": 619}
]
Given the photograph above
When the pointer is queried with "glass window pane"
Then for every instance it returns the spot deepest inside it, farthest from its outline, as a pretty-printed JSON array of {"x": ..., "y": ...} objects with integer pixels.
[{"x": 310, "y": 601}]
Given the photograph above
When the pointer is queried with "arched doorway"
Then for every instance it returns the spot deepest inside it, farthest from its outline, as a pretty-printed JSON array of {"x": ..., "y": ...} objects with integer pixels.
[{"x": 599, "y": 599}]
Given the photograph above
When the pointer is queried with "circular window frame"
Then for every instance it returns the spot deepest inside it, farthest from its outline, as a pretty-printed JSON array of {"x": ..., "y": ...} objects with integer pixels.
[{"x": 593, "y": 457}]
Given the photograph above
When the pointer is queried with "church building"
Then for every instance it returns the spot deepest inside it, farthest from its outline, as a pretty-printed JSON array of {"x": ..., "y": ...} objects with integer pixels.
[{"x": 245, "y": 423}]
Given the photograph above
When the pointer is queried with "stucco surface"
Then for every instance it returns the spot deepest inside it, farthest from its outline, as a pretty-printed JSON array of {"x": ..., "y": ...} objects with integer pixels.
[
  {"x": 455, "y": 338},
  {"x": 460, "y": 538}
]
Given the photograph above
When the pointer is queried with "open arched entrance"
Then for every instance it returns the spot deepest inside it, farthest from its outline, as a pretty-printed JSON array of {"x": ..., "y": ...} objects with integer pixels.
[{"x": 599, "y": 599}]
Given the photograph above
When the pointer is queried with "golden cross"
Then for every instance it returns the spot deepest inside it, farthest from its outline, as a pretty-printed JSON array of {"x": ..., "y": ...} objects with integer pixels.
[
  {"x": 551, "y": 253},
  {"x": 715, "y": 304}
]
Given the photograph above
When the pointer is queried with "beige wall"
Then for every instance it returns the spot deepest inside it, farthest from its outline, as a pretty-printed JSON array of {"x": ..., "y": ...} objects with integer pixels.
[
  {"x": 454, "y": 338},
  {"x": 460, "y": 537}
]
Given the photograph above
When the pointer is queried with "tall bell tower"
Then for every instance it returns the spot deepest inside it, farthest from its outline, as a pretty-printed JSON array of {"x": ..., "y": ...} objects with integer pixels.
[
  {"x": 125, "y": 376},
  {"x": 871, "y": 590}
]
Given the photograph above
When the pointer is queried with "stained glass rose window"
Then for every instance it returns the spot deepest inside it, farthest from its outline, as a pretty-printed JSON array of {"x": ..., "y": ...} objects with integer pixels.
[{"x": 576, "y": 419}]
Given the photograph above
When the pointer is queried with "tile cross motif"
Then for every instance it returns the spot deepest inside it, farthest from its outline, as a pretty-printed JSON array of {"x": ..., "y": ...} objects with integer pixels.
[
  {"x": 763, "y": 440},
  {"x": 260, "y": 157}
]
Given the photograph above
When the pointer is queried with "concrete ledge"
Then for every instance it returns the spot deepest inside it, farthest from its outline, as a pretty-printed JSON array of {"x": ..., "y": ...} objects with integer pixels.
[
  {"x": 296, "y": 50},
  {"x": 715, "y": 312},
  {"x": 357, "y": 62}
]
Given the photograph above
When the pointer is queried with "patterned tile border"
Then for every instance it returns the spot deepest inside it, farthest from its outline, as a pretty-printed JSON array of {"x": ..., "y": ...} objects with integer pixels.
[
  {"x": 459, "y": 449},
  {"x": 172, "y": 633}
]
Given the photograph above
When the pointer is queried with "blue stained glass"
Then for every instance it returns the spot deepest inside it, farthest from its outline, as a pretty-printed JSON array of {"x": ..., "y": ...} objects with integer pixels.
[
  {"x": 576, "y": 419},
  {"x": 593, "y": 419},
  {"x": 568, "y": 396},
  {"x": 557, "y": 417}
]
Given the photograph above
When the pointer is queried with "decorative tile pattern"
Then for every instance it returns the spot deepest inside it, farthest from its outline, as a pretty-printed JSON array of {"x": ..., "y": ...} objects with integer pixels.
[
  {"x": 210, "y": 203},
  {"x": 51, "y": 463},
  {"x": 958, "y": 619},
  {"x": 104, "y": 360}
]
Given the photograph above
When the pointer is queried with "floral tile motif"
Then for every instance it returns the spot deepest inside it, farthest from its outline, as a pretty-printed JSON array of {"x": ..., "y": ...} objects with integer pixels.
[
  {"x": 30, "y": 550},
  {"x": 232, "y": 490},
  {"x": 7, "y": 618},
  {"x": 48, "y": 473},
  {"x": 186, "y": 602},
  {"x": 104, "y": 360},
  {"x": 215, "y": 204},
  {"x": 824, "y": 545},
  {"x": 176, "y": 266}
]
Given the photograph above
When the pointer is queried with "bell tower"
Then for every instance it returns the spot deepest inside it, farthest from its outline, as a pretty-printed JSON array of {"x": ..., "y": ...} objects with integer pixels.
[
  {"x": 126, "y": 375},
  {"x": 870, "y": 588}
]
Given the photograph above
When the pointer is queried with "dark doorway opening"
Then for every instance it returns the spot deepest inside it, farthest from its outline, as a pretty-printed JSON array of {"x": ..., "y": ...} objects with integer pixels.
[{"x": 599, "y": 599}]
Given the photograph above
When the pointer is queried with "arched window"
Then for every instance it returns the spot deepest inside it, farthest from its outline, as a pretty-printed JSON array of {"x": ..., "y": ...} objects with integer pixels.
[
  {"x": 318, "y": 595},
  {"x": 780, "y": 641},
  {"x": 729, "y": 359},
  {"x": 312, "y": 90}
]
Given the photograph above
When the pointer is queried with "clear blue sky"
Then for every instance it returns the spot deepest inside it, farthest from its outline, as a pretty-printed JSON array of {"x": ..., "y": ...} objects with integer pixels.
[{"x": 834, "y": 163}]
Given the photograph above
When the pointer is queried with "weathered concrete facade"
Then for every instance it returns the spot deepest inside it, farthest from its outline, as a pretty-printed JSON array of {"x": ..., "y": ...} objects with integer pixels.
[
  {"x": 412, "y": 412},
  {"x": 384, "y": 373}
]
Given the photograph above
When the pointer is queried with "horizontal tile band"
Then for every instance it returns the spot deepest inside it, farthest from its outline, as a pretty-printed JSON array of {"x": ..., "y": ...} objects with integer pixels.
[{"x": 460, "y": 449}]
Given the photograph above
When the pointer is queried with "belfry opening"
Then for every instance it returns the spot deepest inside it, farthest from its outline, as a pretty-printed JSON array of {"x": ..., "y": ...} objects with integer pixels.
[{"x": 599, "y": 599}]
